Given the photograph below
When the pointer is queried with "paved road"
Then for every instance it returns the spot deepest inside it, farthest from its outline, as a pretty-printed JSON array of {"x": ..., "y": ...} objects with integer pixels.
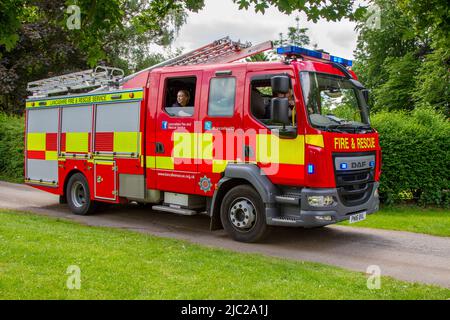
[{"x": 402, "y": 255}]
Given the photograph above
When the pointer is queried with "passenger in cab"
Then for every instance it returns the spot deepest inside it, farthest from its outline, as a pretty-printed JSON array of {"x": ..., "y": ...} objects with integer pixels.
[{"x": 183, "y": 98}]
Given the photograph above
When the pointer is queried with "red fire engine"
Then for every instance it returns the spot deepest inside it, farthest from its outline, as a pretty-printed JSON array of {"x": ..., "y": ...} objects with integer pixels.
[{"x": 252, "y": 145}]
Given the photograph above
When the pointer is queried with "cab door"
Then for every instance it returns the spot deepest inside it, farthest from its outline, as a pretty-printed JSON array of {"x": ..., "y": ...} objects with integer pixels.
[
  {"x": 222, "y": 138},
  {"x": 176, "y": 131}
]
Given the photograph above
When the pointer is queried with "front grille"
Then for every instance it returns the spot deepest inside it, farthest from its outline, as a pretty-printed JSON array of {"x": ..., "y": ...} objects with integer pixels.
[{"x": 354, "y": 187}]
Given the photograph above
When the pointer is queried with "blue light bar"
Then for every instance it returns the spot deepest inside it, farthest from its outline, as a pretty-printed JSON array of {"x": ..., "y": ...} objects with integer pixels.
[
  {"x": 310, "y": 168},
  {"x": 298, "y": 51}
]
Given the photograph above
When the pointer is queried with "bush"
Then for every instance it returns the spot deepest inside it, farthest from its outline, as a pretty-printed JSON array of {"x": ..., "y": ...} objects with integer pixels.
[
  {"x": 416, "y": 156},
  {"x": 11, "y": 147}
]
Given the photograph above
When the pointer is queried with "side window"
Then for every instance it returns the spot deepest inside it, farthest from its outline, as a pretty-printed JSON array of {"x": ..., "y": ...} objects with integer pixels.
[
  {"x": 222, "y": 93},
  {"x": 261, "y": 96},
  {"x": 180, "y": 96}
]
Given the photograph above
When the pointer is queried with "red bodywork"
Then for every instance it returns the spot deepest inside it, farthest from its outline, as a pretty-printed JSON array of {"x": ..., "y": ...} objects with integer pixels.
[{"x": 190, "y": 174}]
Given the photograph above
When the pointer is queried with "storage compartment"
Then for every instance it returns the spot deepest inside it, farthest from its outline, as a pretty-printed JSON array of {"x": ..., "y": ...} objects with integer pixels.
[{"x": 179, "y": 200}]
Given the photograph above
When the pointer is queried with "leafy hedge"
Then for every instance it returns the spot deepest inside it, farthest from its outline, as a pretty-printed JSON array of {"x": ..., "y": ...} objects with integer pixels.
[
  {"x": 11, "y": 147},
  {"x": 416, "y": 156}
]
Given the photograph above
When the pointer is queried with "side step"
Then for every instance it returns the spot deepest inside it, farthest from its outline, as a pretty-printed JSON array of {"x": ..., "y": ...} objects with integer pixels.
[
  {"x": 185, "y": 212},
  {"x": 288, "y": 199}
]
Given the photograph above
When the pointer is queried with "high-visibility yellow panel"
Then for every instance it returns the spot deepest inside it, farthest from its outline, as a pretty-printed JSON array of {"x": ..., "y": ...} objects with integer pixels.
[
  {"x": 164, "y": 163},
  {"x": 104, "y": 163},
  {"x": 184, "y": 145},
  {"x": 271, "y": 149},
  {"x": 315, "y": 140},
  {"x": 119, "y": 96},
  {"x": 36, "y": 141},
  {"x": 150, "y": 162},
  {"x": 77, "y": 142},
  {"x": 126, "y": 142},
  {"x": 219, "y": 165},
  {"x": 51, "y": 155},
  {"x": 193, "y": 145},
  {"x": 205, "y": 147}
]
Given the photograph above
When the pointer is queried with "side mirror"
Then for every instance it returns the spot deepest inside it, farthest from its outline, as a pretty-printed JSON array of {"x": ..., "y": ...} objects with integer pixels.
[
  {"x": 280, "y": 84},
  {"x": 366, "y": 95},
  {"x": 279, "y": 111}
]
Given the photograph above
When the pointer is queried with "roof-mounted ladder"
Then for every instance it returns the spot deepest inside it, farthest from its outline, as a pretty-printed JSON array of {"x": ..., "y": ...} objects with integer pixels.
[
  {"x": 220, "y": 51},
  {"x": 77, "y": 81}
]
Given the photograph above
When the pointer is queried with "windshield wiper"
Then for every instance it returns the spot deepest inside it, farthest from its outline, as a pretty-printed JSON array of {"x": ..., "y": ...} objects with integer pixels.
[
  {"x": 329, "y": 129},
  {"x": 353, "y": 127}
]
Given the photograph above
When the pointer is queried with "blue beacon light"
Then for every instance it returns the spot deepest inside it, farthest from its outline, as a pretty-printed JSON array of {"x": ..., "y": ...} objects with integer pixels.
[
  {"x": 310, "y": 168},
  {"x": 298, "y": 51}
]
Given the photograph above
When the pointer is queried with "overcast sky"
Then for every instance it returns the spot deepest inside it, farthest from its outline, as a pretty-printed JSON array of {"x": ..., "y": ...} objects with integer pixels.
[{"x": 222, "y": 18}]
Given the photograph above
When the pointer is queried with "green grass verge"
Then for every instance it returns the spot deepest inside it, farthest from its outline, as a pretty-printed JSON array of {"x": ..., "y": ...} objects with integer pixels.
[
  {"x": 431, "y": 221},
  {"x": 36, "y": 251}
]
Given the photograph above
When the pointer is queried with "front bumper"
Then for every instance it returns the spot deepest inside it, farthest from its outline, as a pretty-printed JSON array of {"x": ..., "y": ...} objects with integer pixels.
[{"x": 304, "y": 215}]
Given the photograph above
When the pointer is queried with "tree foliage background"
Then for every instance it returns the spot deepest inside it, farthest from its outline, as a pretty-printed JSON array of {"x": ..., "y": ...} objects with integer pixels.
[
  {"x": 35, "y": 42},
  {"x": 406, "y": 59}
]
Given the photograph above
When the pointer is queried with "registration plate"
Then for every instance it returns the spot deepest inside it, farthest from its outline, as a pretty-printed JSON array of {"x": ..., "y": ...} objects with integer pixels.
[{"x": 357, "y": 217}]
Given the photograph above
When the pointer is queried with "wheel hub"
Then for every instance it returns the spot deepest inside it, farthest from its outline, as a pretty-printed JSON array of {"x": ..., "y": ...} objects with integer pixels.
[
  {"x": 242, "y": 214},
  {"x": 78, "y": 194}
]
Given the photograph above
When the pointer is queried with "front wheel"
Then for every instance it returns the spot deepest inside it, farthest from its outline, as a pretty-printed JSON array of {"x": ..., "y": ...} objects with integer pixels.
[
  {"x": 243, "y": 214},
  {"x": 79, "y": 196}
]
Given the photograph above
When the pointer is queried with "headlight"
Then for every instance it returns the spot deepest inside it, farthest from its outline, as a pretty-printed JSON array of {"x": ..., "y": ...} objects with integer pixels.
[{"x": 320, "y": 201}]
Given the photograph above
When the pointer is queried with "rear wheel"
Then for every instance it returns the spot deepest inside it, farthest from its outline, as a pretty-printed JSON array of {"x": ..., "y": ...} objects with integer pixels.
[
  {"x": 243, "y": 214},
  {"x": 79, "y": 196}
]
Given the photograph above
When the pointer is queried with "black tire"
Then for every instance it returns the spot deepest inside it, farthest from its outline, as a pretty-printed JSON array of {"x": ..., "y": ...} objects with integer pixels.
[
  {"x": 235, "y": 217},
  {"x": 79, "y": 196}
]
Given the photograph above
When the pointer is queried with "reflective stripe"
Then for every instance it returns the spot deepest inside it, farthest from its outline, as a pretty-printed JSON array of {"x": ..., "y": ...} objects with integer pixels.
[
  {"x": 77, "y": 142},
  {"x": 126, "y": 142},
  {"x": 87, "y": 99},
  {"x": 164, "y": 163},
  {"x": 219, "y": 165},
  {"x": 36, "y": 141},
  {"x": 150, "y": 162},
  {"x": 315, "y": 140},
  {"x": 205, "y": 148},
  {"x": 51, "y": 155},
  {"x": 104, "y": 163},
  {"x": 271, "y": 149},
  {"x": 193, "y": 145}
]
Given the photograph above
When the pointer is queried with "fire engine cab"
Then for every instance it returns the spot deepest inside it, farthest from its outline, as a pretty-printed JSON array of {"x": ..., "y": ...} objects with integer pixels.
[{"x": 251, "y": 145}]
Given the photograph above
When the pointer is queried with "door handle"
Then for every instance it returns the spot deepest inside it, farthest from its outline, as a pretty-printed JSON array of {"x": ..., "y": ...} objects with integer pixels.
[
  {"x": 159, "y": 147},
  {"x": 248, "y": 151}
]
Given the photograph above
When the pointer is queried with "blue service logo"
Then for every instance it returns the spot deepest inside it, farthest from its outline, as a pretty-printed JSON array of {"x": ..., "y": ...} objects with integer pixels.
[
  {"x": 164, "y": 125},
  {"x": 208, "y": 125}
]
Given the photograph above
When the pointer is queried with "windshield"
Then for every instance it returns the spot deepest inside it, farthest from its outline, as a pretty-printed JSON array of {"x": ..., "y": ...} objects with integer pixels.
[{"x": 334, "y": 103}]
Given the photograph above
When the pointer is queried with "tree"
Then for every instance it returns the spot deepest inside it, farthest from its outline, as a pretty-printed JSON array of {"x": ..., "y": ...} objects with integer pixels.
[
  {"x": 259, "y": 57},
  {"x": 295, "y": 36},
  {"x": 35, "y": 41},
  {"x": 332, "y": 10},
  {"x": 406, "y": 61}
]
